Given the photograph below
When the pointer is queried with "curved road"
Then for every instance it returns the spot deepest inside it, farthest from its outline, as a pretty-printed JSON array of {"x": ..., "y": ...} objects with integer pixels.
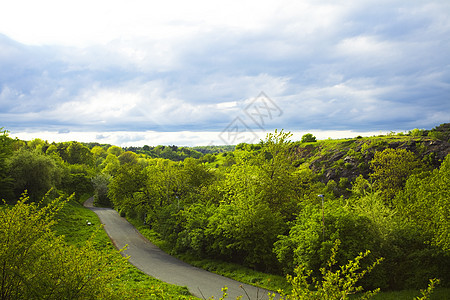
[{"x": 153, "y": 261}]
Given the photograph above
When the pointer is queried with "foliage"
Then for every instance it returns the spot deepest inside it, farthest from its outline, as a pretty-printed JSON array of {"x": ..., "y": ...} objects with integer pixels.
[
  {"x": 115, "y": 150},
  {"x": 426, "y": 202},
  {"x": 36, "y": 264},
  {"x": 76, "y": 179},
  {"x": 338, "y": 284},
  {"x": 100, "y": 183},
  {"x": 33, "y": 172},
  {"x": 258, "y": 206},
  {"x": 6, "y": 182},
  {"x": 309, "y": 243},
  {"x": 429, "y": 290},
  {"x": 391, "y": 168},
  {"x": 308, "y": 138},
  {"x": 239, "y": 231}
]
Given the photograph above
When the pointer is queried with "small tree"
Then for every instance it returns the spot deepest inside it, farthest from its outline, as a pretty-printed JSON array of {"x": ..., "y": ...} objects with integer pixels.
[
  {"x": 308, "y": 138},
  {"x": 338, "y": 284},
  {"x": 37, "y": 264},
  {"x": 391, "y": 168},
  {"x": 100, "y": 183}
]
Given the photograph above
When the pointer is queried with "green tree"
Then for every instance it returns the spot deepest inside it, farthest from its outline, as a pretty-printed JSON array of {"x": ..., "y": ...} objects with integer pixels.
[
  {"x": 38, "y": 145},
  {"x": 76, "y": 179},
  {"x": 244, "y": 231},
  {"x": 311, "y": 237},
  {"x": 100, "y": 183},
  {"x": 391, "y": 168},
  {"x": 6, "y": 182},
  {"x": 308, "y": 138},
  {"x": 334, "y": 285},
  {"x": 128, "y": 189},
  {"x": 77, "y": 153},
  {"x": 115, "y": 150},
  {"x": 426, "y": 202},
  {"x": 279, "y": 181},
  {"x": 110, "y": 165},
  {"x": 98, "y": 152},
  {"x": 36, "y": 264},
  {"x": 128, "y": 157},
  {"x": 34, "y": 172}
]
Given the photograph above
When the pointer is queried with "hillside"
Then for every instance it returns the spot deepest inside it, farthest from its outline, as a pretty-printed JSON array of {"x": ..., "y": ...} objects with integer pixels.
[{"x": 344, "y": 160}]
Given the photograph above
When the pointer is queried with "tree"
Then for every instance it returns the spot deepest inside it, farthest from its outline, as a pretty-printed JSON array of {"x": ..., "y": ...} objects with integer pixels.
[
  {"x": 110, "y": 165},
  {"x": 98, "y": 152},
  {"x": 6, "y": 182},
  {"x": 126, "y": 187},
  {"x": 308, "y": 138},
  {"x": 77, "y": 153},
  {"x": 34, "y": 172},
  {"x": 36, "y": 264},
  {"x": 115, "y": 150},
  {"x": 426, "y": 202},
  {"x": 100, "y": 183},
  {"x": 335, "y": 285},
  {"x": 276, "y": 175},
  {"x": 244, "y": 231},
  {"x": 391, "y": 168},
  {"x": 309, "y": 242},
  {"x": 38, "y": 145},
  {"x": 128, "y": 157}
]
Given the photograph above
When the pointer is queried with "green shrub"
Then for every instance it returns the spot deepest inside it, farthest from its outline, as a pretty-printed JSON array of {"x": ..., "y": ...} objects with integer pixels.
[
  {"x": 36, "y": 264},
  {"x": 309, "y": 243}
]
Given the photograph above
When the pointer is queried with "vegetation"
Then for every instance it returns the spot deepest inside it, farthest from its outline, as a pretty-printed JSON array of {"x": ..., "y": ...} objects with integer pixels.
[
  {"x": 37, "y": 264},
  {"x": 257, "y": 205}
]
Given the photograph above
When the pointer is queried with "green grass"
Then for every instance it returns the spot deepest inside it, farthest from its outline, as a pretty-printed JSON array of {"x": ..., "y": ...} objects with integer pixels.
[
  {"x": 73, "y": 225},
  {"x": 438, "y": 294}
]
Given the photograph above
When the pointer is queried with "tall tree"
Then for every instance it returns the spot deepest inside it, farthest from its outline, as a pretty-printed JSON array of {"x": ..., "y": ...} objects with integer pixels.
[
  {"x": 426, "y": 202},
  {"x": 6, "y": 182},
  {"x": 391, "y": 168},
  {"x": 34, "y": 172}
]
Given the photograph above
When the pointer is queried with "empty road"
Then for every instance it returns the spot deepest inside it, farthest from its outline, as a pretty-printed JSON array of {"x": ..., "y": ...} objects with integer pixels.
[{"x": 156, "y": 263}]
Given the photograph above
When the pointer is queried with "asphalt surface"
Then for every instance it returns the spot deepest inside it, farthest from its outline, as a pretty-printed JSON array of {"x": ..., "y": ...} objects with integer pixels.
[{"x": 153, "y": 261}]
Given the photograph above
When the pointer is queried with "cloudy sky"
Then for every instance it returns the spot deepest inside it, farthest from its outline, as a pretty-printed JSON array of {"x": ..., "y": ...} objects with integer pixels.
[{"x": 141, "y": 72}]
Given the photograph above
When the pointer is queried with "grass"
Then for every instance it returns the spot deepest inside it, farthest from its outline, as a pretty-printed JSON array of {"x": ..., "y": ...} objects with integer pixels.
[
  {"x": 73, "y": 225},
  {"x": 438, "y": 294}
]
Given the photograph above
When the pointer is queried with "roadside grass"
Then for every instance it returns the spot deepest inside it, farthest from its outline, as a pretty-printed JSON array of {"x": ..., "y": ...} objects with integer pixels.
[
  {"x": 438, "y": 294},
  {"x": 137, "y": 285}
]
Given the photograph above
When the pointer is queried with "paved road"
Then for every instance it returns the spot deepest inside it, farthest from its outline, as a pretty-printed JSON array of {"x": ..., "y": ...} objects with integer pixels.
[{"x": 153, "y": 261}]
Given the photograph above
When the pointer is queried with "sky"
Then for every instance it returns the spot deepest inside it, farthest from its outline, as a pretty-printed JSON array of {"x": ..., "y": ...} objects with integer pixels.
[{"x": 141, "y": 72}]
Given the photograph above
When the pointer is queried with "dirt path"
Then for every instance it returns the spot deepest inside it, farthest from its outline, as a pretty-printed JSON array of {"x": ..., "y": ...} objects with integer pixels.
[{"x": 156, "y": 263}]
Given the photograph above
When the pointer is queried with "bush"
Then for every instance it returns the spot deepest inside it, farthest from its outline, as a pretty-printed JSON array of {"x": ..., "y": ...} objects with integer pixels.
[
  {"x": 334, "y": 285},
  {"x": 245, "y": 232},
  {"x": 36, "y": 264},
  {"x": 309, "y": 243},
  {"x": 308, "y": 138}
]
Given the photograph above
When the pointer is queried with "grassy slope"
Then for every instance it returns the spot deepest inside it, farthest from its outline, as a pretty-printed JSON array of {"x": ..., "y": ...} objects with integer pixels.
[{"x": 73, "y": 226}]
